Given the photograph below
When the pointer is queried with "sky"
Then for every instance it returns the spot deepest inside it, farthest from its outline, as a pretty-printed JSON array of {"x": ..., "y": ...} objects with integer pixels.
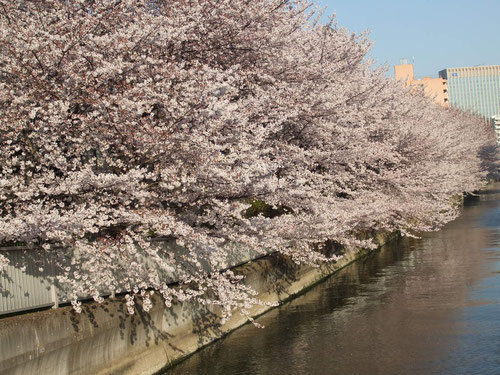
[{"x": 431, "y": 34}]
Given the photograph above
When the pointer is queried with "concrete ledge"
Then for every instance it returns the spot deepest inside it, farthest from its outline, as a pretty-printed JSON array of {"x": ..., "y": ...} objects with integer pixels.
[{"x": 105, "y": 339}]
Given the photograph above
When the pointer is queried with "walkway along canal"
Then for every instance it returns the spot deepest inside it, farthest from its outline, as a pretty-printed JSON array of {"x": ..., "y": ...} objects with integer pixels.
[{"x": 418, "y": 306}]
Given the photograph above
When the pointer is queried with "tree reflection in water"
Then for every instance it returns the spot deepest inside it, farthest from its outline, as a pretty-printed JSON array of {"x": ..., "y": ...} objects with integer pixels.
[{"x": 418, "y": 306}]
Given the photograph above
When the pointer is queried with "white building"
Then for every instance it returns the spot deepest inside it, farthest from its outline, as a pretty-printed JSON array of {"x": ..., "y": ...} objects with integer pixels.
[{"x": 495, "y": 122}]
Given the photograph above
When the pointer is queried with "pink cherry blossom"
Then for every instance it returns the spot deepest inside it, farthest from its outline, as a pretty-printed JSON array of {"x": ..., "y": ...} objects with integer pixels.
[{"x": 125, "y": 120}]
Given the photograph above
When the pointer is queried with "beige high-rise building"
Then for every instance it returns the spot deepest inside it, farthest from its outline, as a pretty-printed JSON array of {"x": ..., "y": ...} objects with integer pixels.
[{"x": 435, "y": 88}]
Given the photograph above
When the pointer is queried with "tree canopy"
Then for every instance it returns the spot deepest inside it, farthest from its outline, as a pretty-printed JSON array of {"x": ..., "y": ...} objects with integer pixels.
[{"x": 126, "y": 120}]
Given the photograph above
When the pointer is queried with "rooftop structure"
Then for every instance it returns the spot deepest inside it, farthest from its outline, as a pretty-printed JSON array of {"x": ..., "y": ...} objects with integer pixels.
[{"x": 434, "y": 88}]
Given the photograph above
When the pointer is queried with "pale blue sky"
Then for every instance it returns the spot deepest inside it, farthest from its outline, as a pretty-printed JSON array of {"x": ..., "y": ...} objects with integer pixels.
[{"x": 438, "y": 34}]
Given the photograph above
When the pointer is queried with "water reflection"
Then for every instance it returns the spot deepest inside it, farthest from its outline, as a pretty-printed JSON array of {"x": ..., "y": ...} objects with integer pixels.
[{"x": 426, "y": 306}]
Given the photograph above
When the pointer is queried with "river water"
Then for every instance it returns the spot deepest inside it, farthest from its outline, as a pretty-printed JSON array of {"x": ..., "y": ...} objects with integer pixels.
[{"x": 417, "y": 306}]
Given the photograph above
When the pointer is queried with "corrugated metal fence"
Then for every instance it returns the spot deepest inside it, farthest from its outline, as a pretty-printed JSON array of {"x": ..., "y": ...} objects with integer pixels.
[{"x": 29, "y": 281}]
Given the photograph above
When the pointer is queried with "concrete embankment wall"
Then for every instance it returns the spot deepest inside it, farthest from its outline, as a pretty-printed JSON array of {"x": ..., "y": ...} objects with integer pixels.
[{"x": 105, "y": 339}]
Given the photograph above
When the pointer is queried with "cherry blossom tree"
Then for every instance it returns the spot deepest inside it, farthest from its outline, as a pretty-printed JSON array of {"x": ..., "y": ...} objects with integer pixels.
[{"x": 216, "y": 125}]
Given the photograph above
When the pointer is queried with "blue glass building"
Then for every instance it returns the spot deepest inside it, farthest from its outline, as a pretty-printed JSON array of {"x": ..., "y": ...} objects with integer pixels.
[{"x": 475, "y": 88}]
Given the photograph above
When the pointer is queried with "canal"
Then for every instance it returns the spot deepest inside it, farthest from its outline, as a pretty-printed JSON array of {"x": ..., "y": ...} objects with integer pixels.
[{"x": 417, "y": 306}]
